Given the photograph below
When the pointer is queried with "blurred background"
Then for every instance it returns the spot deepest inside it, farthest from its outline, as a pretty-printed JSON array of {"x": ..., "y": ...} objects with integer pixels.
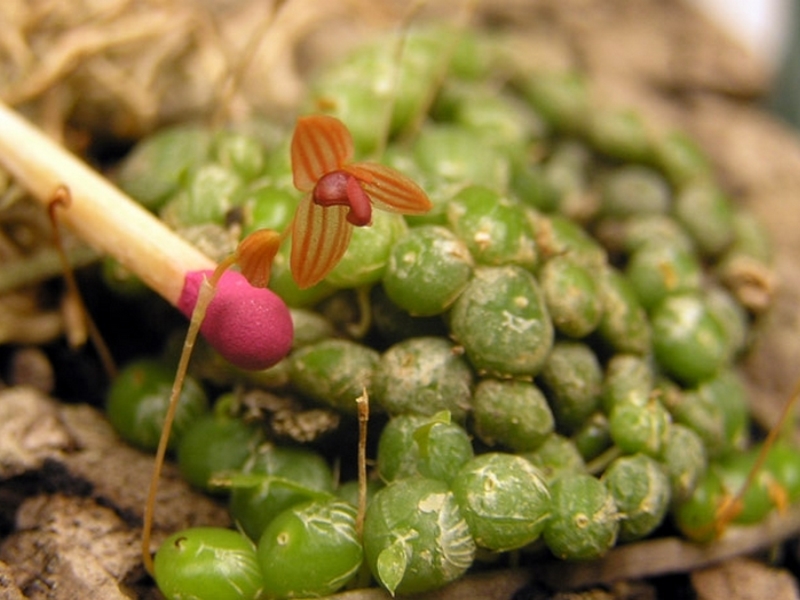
[{"x": 770, "y": 29}]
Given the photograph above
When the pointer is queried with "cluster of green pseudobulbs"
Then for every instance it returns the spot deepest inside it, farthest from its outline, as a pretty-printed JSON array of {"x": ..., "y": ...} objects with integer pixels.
[{"x": 549, "y": 354}]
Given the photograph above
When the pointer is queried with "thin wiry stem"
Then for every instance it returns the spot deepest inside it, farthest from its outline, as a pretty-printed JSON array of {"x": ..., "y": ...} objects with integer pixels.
[
  {"x": 204, "y": 296},
  {"x": 360, "y": 328},
  {"x": 236, "y": 73},
  {"x": 61, "y": 199},
  {"x": 732, "y": 506},
  {"x": 363, "y": 421}
]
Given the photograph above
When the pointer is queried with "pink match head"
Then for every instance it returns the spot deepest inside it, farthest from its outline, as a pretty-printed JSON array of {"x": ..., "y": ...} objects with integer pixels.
[{"x": 250, "y": 327}]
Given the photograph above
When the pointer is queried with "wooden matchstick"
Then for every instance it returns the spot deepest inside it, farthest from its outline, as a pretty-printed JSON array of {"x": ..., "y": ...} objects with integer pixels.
[{"x": 251, "y": 327}]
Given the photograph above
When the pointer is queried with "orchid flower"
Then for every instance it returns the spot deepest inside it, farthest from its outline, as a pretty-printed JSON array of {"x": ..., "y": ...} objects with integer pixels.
[
  {"x": 340, "y": 194},
  {"x": 255, "y": 255}
]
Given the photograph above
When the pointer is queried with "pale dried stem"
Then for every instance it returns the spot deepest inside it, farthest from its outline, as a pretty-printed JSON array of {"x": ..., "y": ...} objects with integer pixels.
[
  {"x": 239, "y": 64},
  {"x": 139, "y": 99},
  {"x": 23, "y": 322},
  {"x": 82, "y": 42},
  {"x": 43, "y": 265},
  {"x": 363, "y": 421}
]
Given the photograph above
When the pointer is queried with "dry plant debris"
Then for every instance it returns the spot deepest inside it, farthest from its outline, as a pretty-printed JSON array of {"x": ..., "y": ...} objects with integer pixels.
[{"x": 744, "y": 579}]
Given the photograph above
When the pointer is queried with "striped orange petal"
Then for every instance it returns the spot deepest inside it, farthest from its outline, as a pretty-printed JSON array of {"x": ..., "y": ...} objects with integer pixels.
[
  {"x": 389, "y": 189},
  {"x": 255, "y": 255},
  {"x": 320, "y": 236},
  {"x": 320, "y": 144}
]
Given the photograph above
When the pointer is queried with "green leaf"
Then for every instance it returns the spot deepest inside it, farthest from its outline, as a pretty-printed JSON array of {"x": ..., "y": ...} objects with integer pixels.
[
  {"x": 238, "y": 479},
  {"x": 422, "y": 434},
  {"x": 392, "y": 563}
]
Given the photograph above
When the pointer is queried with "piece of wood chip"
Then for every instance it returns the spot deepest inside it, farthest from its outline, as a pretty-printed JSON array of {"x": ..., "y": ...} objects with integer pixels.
[
  {"x": 69, "y": 547},
  {"x": 31, "y": 431},
  {"x": 744, "y": 579}
]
